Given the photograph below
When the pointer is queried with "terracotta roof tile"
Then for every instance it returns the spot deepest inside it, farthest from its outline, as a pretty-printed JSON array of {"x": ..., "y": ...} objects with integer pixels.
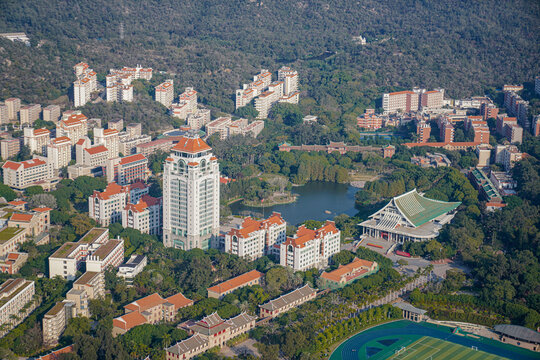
[
  {"x": 132, "y": 158},
  {"x": 145, "y": 303},
  {"x": 191, "y": 145},
  {"x": 179, "y": 301},
  {"x": 129, "y": 320},
  {"x": 236, "y": 282},
  {"x": 96, "y": 150},
  {"x": 21, "y": 217}
]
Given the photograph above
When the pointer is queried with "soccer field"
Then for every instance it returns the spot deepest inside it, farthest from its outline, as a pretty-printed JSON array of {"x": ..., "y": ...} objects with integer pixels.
[{"x": 427, "y": 348}]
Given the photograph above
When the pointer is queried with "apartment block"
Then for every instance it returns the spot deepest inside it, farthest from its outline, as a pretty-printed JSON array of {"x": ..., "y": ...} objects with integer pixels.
[
  {"x": 517, "y": 107},
  {"x": 423, "y": 130},
  {"x": 415, "y": 100},
  {"x": 254, "y": 239},
  {"x": 22, "y": 174},
  {"x": 289, "y": 77},
  {"x": 55, "y": 321},
  {"x": 89, "y": 286},
  {"x": 219, "y": 126},
  {"x": 14, "y": 106},
  {"x": 536, "y": 125},
  {"x": 109, "y": 139},
  {"x": 154, "y": 146},
  {"x": 37, "y": 140},
  {"x": 250, "y": 278},
  {"x": 187, "y": 104},
  {"x": 108, "y": 255},
  {"x": 164, "y": 93},
  {"x": 117, "y": 124},
  {"x": 29, "y": 113},
  {"x": 106, "y": 207},
  {"x": 14, "y": 295},
  {"x": 152, "y": 309},
  {"x": 310, "y": 248},
  {"x": 134, "y": 130},
  {"x": 507, "y": 155},
  {"x": 96, "y": 155},
  {"x": 286, "y": 302},
  {"x": 51, "y": 113},
  {"x": 128, "y": 145},
  {"x": 74, "y": 126},
  {"x": 9, "y": 148},
  {"x": 446, "y": 132},
  {"x": 488, "y": 111},
  {"x": 4, "y": 114},
  {"x": 59, "y": 152},
  {"x": 137, "y": 72},
  {"x": 503, "y": 121},
  {"x": 433, "y": 99},
  {"x": 199, "y": 119},
  {"x": 514, "y": 88},
  {"x": 250, "y": 91},
  {"x": 128, "y": 169},
  {"x": 264, "y": 102},
  {"x": 514, "y": 133},
  {"x": 85, "y": 84},
  {"x": 145, "y": 215},
  {"x": 292, "y": 98},
  {"x": 483, "y": 152},
  {"x": 369, "y": 120}
]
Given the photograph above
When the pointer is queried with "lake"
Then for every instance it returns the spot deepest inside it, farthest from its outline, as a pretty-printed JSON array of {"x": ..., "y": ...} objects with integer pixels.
[{"x": 314, "y": 199}]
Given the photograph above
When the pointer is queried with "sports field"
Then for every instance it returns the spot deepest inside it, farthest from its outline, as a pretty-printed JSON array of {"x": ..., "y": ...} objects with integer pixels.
[
  {"x": 406, "y": 340},
  {"x": 436, "y": 349}
]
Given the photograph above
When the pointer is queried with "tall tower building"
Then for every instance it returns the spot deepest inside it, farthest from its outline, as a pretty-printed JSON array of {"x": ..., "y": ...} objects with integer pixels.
[{"x": 190, "y": 195}]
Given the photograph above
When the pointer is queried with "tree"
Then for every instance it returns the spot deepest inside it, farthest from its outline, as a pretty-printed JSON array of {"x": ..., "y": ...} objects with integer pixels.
[
  {"x": 47, "y": 200},
  {"x": 7, "y": 193},
  {"x": 76, "y": 326},
  {"x": 248, "y": 112},
  {"x": 276, "y": 278},
  {"x": 33, "y": 190},
  {"x": 81, "y": 223}
]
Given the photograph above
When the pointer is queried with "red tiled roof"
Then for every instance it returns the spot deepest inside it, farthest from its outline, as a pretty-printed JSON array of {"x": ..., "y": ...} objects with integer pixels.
[
  {"x": 179, "y": 301},
  {"x": 11, "y": 165},
  {"x": 353, "y": 268},
  {"x": 80, "y": 141},
  {"x": 402, "y": 92},
  {"x": 111, "y": 189},
  {"x": 33, "y": 162},
  {"x": 55, "y": 354},
  {"x": 236, "y": 282},
  {"x": 191, "y": 145},
  {"x": 145, "y": 303},
  {"x": 304, "y": 234},
  {"x": 110, "y": 131},
  {"x": 132, "y": 158},
  {"x": 41, "y": 131},
  {"x": 129, "y": 320},
  {"x": 137, "y": 185},
  {"x": 42, "y": 209},
  {"x": 17, "y": 202},
  {"x": 96, "y": 149},
  {"x": 62, "y": 139},
  {"x": 21, "y": 217},
  {"x": 74, "y": 119}
]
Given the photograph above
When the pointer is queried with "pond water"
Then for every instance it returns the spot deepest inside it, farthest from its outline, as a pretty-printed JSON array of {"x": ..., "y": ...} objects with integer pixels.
[{"x": 316, "y": 201}]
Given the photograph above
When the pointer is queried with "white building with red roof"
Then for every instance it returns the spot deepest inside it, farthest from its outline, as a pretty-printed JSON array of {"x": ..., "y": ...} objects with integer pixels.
[
  {"x": 128, "y": 169},
  {"x": 22, "y": 174},
  {"x": 108, "y": 138},
  {"x": 59, "y": 152},
  {"x": 254, "y": 239},
  {"x": 164, "y": 93},
  {"x": 37, "y": 139},
  {"x": 106, "y": 207},
  {"x": 74, "y": 126},
  {"x": 310, "y": 248},
  {"x": 96, "y": 155},
  {"x": 190, "y": 195},
  {"x": 145, "y": 215}
]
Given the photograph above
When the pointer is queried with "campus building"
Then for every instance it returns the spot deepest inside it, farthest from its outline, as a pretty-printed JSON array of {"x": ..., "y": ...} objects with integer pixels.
[
  {"x": 152, "y": 309},
  {"x": 14, "y": 295},
  {"x": 211, "y": 331},
  {"x": 9, "y": 148},
  {"x": 145, "y": 215},
  {"x": 284, "y": 303},
  {"x": 250, "y": 278},
  {"x": 310, "y": 248},
  {"x": 132, "y": 267},
  {"x": 74, "y": 127},
  {"x": 409, "y": 217},
  {"x": 106, "y": 207},
  {"x": 37, "y": 140},
  {"x": 26, "y": 173},
  {"x": 128, "y": 169},
  {"x": 109, "y": 139},
  {"x": 51, "y": 113},
  {"x": 347, "y": 274},
  {"x": 164, "y": 93},
  {"x": 29, "y": 113},
  {"x": 254, "y": 239},
  {"x": 59, "y": 152},
  {"x": 190, "y": 195}
]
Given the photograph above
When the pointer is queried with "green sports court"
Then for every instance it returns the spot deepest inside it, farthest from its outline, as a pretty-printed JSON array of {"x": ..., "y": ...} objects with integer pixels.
[{"x": 406, "y": 340}]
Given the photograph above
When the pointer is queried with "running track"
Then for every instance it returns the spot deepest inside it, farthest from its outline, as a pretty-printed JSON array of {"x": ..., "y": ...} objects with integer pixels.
[{"x": 355, "y": 343}]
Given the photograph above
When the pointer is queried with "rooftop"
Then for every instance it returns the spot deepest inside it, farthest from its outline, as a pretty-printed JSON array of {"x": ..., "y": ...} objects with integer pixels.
[
  {"x": 145, "y": 303},
  {"x": 519, "y": 332},
  {"x": 191, "y": 145},
  {"x": 9, "y": 233},
  {"x": 85, "y": 278},
  {"x": 353, "y": 269},
  {"x": 236, "y": 282},
  {"x": 419, "y": 209},
  {"x": 104, "y": 250},
  {"x": 93, "y": 235},
  {"x": 288, "y": 298}
]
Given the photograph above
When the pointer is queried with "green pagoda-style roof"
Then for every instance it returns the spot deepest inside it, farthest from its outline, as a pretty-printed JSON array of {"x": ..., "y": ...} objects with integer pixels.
[{"x": 419, "y": 210}]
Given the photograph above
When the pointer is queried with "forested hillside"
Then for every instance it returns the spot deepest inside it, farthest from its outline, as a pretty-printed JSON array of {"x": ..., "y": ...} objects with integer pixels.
[{"x": 464, "y": 47}]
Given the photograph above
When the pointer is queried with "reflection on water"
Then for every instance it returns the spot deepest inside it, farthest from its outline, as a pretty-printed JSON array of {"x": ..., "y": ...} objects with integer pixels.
[{"x": 317, "y": 201}]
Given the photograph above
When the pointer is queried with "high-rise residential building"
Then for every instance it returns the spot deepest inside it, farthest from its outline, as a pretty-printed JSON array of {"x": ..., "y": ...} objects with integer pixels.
[
  {"x": 190, "y": 195},
  {"x": 415, "y": 100},
  {"x": 446, "y": 132},
  {"x": 165, "y": 93},
  {"x": 15, "y": 294},
  {"x": 37, "y": 140},
  {"x": 292, "y": 98},
  {"x": 310, "y": 248},
  {"x": 106, "y": 207},
  {"x": 59, "y": 152},
  {"x": 51, "y": 113},
  {"x": 134, "y": 130},
  {"x": 128, "y": 169},
  {"x": 117, "y": 124},
  {"x": 109, "y": 139},
  {"x": 14, "y": 106},
  {"x": 488, "y": 111},
  {"x": 264, "y": 102},
  {"x": 128, "y": 145},
  {"x": 56, "y": 320},
  {"x": 187, "y": 104},
  {"x": 85, "y": 84},
  {"x": 502, "y": 121},
  {"x": 249, "y": 91},
  {"x": 144, "y": 216},
  {"x": 74, "y": 126},
  {"x": 517, "y": 107},
  {"x": 483, "y": 152},
  {"x": 277, "y": 87},
  {"x": 254, "y": 239},
  {"x": 29, "y": 113},
  {"x": 4, "y": 114},
  {"x": 96, "y": 155},
  {"x": 423, "y": 130},
  {"x": 22, "y": 174},
  {"x": 289, "y": 78},
  {"x": 9, "y": 148},
  {"x": 369, "y": 120},
  {"x": 514, "y": 134},
  {"x": 199, "y": 119}
]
